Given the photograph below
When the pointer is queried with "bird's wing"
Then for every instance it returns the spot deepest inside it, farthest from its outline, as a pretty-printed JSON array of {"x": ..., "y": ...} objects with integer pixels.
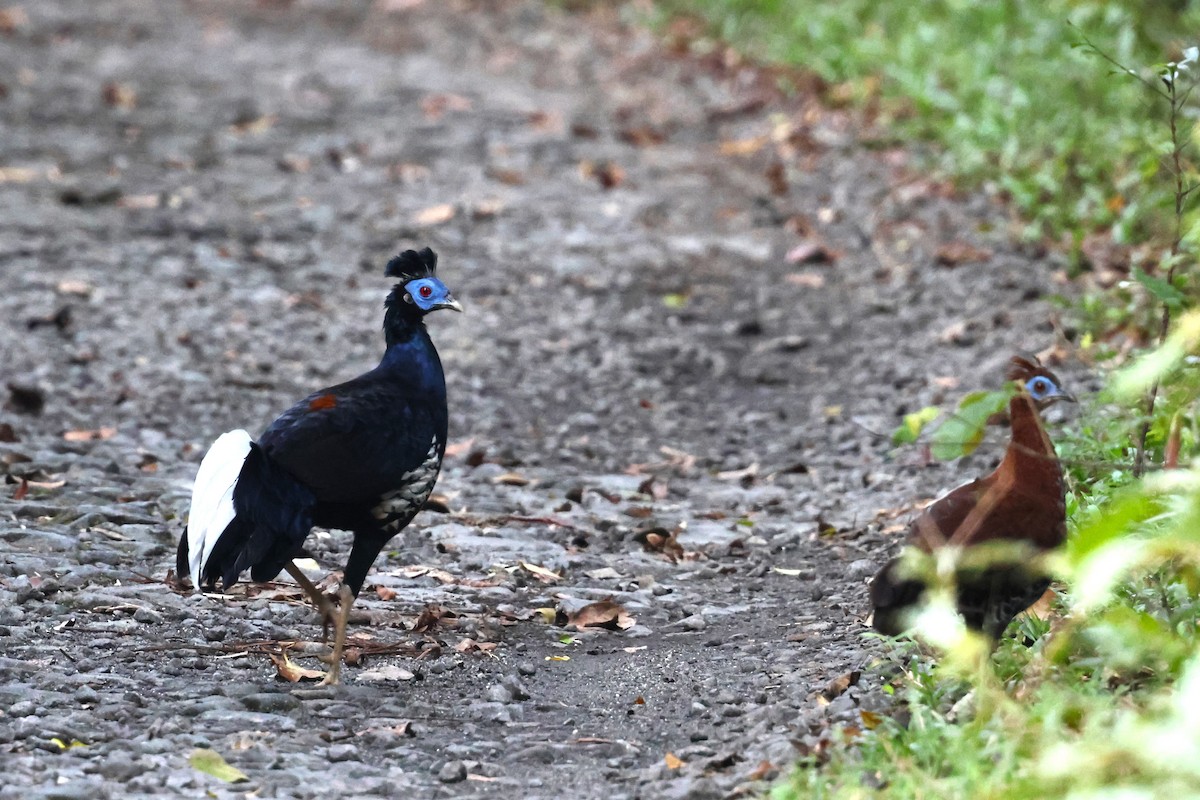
[
  {"x": 353, "y": 442},
  {"x": 945, "y": 517}
]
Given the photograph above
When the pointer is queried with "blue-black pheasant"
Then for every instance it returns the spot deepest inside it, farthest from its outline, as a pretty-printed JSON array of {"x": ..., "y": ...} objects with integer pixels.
[
  {"x": 361, "y": 456},
  {"x": 1020, "y": 503}
]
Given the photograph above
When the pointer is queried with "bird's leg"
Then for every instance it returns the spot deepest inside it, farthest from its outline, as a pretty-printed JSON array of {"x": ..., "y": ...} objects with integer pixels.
[
  {"x": 345, "y": 601},
  {"x": 322, "y": 603}
]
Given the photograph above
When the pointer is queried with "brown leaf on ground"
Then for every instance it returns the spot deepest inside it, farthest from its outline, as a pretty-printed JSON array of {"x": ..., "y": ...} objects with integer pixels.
[
  {"x": 119, "y": 95},
  {"x": 672, "y": 761},
  {"x": 511, "y": 479},
  {"x": 606, "y": 173},
  {"x": 811, "y": 251},
  {"x": 435, "y": 106},
  {"x": 642, "y": 136},
  {"x": 292, "y": 672},
  {"x": 509, "y": 177},
  {"x": 744, "y": 147},
  {"x": 437, "y": 503},
  {"x": 472, "y": 646},
  {"x": 660, "y": 540},
  {"x": 839, "y": 685},
  {"x": 77, "y": 288},
  {"x": 384, "y": 593},
  {"x": 89, "y": 436},
  {"x": 11, "y": 19},
  {"x": 459, "y": 448},
  {"x": 776, "y": 176},
  {"x": 952, "y": 254},
  {"x": 22, "y": 490},
  {"x": 433, "y": 616},
  {"x": 435, "y": 215},
  {"x": 602, "y": 614},
  {"x": 541, "y": 573},
  {"x": 808, "y": 280}
]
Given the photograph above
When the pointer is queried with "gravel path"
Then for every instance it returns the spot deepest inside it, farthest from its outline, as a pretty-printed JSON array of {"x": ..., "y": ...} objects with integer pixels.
[{"x": 692, "y": 309}]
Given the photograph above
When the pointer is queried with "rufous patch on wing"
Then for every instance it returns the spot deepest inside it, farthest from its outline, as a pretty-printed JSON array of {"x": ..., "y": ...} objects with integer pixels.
[{"x": 322, "y": 402}]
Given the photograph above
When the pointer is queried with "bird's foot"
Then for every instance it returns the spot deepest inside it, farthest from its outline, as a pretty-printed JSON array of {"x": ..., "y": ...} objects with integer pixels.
[{"x": 345, "y": 601}]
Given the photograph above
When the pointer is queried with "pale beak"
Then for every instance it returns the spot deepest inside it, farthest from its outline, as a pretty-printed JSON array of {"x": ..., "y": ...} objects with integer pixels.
[{"x": 450, "y": 303}]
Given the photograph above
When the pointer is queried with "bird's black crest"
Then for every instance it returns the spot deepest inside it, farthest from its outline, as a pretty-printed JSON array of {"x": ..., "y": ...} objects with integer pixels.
[{"x": 411, "y": 265}]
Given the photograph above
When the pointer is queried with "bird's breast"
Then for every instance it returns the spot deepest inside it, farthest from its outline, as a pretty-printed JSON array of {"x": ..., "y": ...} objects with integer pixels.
[{"x": 399, "y": 505}]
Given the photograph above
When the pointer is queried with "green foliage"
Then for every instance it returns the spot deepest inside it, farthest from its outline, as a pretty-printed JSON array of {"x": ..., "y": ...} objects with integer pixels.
[
  {"x": 961, "y": 433},
  {"x": 910, "y": 429},
  {"x": 999, "y": 89}
]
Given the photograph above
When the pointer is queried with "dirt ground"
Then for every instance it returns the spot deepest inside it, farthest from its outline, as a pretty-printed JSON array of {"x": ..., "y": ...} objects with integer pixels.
[{"x": 695, "y": 311}]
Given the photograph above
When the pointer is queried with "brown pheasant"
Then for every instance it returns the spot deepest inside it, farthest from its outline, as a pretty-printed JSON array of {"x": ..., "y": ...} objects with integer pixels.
[{"x": 1022, "y": 502}]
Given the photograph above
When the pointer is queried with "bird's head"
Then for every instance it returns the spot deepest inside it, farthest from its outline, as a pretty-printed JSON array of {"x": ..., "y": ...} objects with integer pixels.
[
  {"x": 419, "y": 290},
  {"x": 1042, "y": 385}
]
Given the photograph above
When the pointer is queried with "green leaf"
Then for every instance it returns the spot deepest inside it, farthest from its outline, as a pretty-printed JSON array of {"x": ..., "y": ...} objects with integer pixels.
[
  {"x": 1161, "y": 288},
  {"x": 961, "y": 433},
  {"x": 674, "y": 300},
  {"x": 1114, "y": 520},
  {"x": 913, "y": 424},
  {"x": 211, "y": 763},
  {"x": 1163, "y": 360}
]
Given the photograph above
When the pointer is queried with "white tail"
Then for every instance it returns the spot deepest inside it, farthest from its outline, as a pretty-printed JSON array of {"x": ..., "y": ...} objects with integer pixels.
[{"x": 212, "y": 497}]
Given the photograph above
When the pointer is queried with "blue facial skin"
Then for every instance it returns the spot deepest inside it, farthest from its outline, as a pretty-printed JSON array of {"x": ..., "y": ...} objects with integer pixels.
[
  {"x": 430, "y": 294},
  {"x": 1042, "y": 388}
]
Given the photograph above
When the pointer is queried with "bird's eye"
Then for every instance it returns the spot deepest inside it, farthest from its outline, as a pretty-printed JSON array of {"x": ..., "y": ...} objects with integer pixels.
[
  {"x": 1039, "y": 386},
  {"x": 426, "y": 291}
]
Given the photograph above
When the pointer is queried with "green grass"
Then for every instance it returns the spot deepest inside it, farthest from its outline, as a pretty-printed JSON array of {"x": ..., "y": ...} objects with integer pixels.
[{"x": 996, "y": 89}]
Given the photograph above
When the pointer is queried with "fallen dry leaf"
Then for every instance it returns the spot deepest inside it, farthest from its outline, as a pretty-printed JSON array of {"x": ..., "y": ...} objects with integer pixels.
[
  {"x": 744, "y": 147},
  {"x": 511, "y": 479},
  {"x": 385, "y": 593},
  {"x": 12, "y": 18},
  {"x": 634, "y": 649},
  {"x": 89, "y": 436},
  {"x": 810, "y": 251},
  {"x": 435, "y": 215},
  {"x": 606, "y": 173},
  {"x": 292, "y": 672},
  {"x": 602, "y": 614},
  {"x": 434, "y": 106},
  {"x": 952, "y": 254},
  {"x": 22, "y": 490},
  {"x": 119, "y": 95},
  {"x": 809, "y": 280},
  {"x": 672, "y": 761},
  {"x": 838, "y": 686},
  {"x": 541, "y": 573},
  {"x": 77, "y": 288},
  {"x": 432, "y": 616}
]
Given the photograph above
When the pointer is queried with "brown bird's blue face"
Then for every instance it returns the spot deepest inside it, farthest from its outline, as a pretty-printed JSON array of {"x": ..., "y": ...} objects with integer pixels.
[
  {"x": 1046, "y": 390},
  {"x": 430, "y": 294}
]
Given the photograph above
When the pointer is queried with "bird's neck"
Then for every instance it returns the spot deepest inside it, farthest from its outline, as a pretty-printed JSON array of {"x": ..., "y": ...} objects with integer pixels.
[
  {"x": 1030, "y": 455},
  {"x": 410, "y": 352}
]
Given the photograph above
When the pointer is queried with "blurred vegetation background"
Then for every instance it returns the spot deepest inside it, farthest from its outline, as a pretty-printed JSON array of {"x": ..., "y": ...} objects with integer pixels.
[{"x": 1079, "y": 114}]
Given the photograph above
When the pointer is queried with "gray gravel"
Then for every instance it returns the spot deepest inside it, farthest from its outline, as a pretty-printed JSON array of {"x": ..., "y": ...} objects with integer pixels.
[{"x": 196, "y": 201}]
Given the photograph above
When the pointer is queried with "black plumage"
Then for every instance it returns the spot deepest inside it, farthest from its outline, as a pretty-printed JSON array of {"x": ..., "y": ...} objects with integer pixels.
[{"x": 361, "y": 456}]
